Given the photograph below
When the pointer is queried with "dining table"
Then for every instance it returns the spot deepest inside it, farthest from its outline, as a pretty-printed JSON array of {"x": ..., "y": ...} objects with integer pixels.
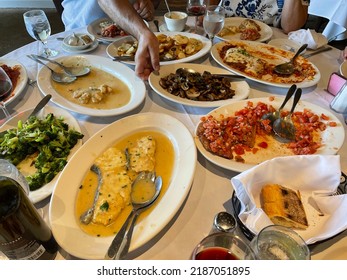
[{"x": 211, "y": 190}]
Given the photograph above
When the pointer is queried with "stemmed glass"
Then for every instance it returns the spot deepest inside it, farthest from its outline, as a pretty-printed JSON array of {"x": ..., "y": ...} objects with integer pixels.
[
  {"x": 38, "y": 27},
  {"x": 196, "y": 8},
  {"x": 213, "y": 20},
  {"x": 5, "y": 90}
]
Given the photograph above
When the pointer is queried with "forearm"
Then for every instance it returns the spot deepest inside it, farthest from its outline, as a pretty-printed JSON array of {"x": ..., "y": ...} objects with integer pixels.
[
  {"x": 124, "y": 15},
  {"x": 294, "y": 15}
]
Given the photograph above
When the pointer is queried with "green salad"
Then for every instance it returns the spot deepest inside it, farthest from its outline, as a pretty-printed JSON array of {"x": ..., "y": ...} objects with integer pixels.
[{"x": 49, "y": 140}]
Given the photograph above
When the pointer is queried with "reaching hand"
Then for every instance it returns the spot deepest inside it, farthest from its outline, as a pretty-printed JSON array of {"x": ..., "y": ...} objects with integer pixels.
[{"x": 147, "y": 55}]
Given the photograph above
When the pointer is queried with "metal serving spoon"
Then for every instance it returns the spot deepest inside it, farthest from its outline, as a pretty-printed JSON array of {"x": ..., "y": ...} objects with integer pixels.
[
  {"x": 288, "y": 67},
  {"x": 76, "y": 71},
  {"x": 121, "y": 243},
  {"x": 87, "y": 216},
  {"x": 284, "y": 127},
  {"x": 189, "y": 70},
  {"x": 272, "y": 116},
  {"x": 57, "y": 77}
]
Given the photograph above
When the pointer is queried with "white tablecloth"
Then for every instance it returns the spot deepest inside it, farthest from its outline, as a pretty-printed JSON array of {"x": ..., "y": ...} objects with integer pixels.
[
  {"x": 211, "y": 190},
  {"x": 336, "y": 12}
]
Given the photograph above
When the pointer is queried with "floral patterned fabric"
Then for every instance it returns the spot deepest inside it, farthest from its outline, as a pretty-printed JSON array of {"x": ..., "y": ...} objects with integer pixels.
[{"x": 267, "y": 11}]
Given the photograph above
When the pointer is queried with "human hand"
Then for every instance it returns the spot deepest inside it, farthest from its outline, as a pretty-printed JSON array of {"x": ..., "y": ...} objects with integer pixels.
[
  {"x": 145, "y": 9},
  {"x": 147, "y": 55}
]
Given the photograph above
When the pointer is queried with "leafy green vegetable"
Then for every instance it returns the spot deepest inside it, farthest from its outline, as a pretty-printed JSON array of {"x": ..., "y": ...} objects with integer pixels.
[
  {"x": 50, "y": 138},
  {"x": 104, "y": 206}
]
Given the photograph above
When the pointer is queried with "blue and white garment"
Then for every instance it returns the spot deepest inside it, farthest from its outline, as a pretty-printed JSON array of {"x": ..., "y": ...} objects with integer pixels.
[
  {"x": 79, "y": 13},
  {"x": 267, "y": 11}
]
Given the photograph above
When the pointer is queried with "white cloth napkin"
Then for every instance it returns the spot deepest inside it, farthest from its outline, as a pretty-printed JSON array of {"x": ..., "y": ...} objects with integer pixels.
[
  {"x": 310, "y": 37},
  {"x": 315, "y": 176}
]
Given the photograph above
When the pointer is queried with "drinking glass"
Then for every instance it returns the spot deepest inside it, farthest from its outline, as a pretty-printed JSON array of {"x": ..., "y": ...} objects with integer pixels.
[
  {"x": 279, "y": 243},
  {"x": 5, "y": 90},
  {"x": 213, "y": 20},
  {"x": 222, "y": 246},
  {"x": 38, "y": 27},
  {"x": 196, "y": 8}
]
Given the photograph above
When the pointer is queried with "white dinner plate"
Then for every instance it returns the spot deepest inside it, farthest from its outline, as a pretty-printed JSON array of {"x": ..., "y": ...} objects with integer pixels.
[
  {"x": 46, "y": 190},
  {"x": 241, "y": 87},
  {"x": 268, "y": 50},
  {"x": 22, "y": 79},
  {"x": 64, "y": 224},
  {"x": 122, "y": 72},
  {"x": 332, "y": 137},
  {"x": 95, "y": 30},
  {"x": 265, "y": 32},
  {"x": 112, "y": 48}
]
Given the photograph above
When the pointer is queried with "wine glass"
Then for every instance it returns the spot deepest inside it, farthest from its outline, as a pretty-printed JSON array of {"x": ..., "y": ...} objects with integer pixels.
[
  {"x": 38, "y": 27},
  {"x": 213, "y": 20},
  {"x": 5, "y": 90},
  {"x": 196, "y": 8}
]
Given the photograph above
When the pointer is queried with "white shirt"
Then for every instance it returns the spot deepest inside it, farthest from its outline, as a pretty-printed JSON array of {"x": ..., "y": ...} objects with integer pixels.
[{"x": 79, "y": 13}]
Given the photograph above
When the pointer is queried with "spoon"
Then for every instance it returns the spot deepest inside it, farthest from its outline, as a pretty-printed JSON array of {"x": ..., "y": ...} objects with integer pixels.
[
  {"x": 87, "y": 216},
  {"x": 288, "y": 67},
  {"x": 184, "y": 71},
  {"x": 224, "y": 222},
  {"x": 167, "y": 6},
  {"x": 272, "y": 116},
  {"x": 121, "y": 243},
  {"x": 57, "y": 77},
  {"x": 6, "y": 88},
  {"x": 71, "y": 71},
  {"x": 284, "y": 127}
]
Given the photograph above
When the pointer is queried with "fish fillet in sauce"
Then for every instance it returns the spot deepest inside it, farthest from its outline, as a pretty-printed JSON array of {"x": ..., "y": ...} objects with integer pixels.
[{"x": 115, "y": 190}]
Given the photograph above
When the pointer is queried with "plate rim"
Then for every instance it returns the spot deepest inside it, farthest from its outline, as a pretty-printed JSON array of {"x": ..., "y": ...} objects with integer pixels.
[
  {"x": 216, "y": 57},
  {"x": 23, "y": 78},
  {"x": 202, "y": 104},
  {"x": 46, "y": 190},
  {"x": 240, "y": 167},
  {"x": 122, "y": 71},
  {"x": 160, "y": 122},
  {"x": 205, "y": 50},
  {"x": 262, "y": 25}
]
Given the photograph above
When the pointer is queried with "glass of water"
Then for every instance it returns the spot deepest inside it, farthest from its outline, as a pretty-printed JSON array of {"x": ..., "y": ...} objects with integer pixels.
[
  {"x": 213, "y": 20},
  {"x": 279, "y": 243},
  {"x": 38, "y": 27}
]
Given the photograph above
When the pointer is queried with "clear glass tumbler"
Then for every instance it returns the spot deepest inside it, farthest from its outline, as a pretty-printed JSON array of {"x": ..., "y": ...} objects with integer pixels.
[{"x": 276, "y": 242}]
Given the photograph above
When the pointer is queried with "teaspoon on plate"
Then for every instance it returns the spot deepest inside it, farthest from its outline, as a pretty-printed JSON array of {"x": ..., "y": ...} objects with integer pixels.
[
  {"x": 76, "y": 71},
  {"x": 57, "y": 77}
]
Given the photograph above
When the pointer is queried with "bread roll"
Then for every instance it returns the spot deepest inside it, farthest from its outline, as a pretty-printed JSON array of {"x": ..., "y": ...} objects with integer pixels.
[{"x": 283, "y": 206}]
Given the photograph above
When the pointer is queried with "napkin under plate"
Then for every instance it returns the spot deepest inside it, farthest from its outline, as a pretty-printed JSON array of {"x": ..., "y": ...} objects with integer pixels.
[{"x": 315, "y": 176}]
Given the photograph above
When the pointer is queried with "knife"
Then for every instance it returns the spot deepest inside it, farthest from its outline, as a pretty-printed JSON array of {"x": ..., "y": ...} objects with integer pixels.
[
  {"x": 37, "y": 109},
  {"x": 317, "y": 52}
]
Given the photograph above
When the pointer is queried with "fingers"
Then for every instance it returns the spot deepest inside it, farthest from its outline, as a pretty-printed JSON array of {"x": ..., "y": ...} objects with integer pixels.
[
  {"x": 147, "y": 56},
  {"x": 145, "y": 9}
]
